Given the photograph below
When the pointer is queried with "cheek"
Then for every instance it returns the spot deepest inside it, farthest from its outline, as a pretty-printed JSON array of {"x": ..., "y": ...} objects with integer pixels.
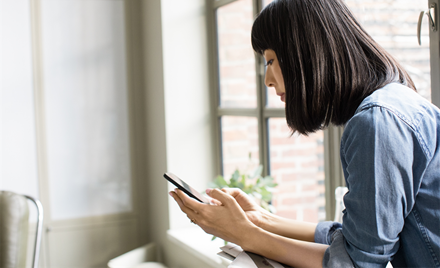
[
  {"x": 280, "y": 81},
  {"x": 279, "y": 76}
]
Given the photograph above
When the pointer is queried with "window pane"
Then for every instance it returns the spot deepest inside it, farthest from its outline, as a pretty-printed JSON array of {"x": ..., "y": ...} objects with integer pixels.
[
  {"x": 393, "y": 24},
  {"x": 239, "y": 144},
  {"x": 273, "y": 100},
  {"x": 86, "y": 108},
  {"x": 266, "y": 2},
  {"x": 297, "y": 164},
  {"x": 18, "y": 165},
  {"x": 236, "y": 56}
]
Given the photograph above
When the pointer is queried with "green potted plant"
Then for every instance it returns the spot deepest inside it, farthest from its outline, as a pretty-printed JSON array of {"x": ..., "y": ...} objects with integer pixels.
[{"x": 255, "y": 185}]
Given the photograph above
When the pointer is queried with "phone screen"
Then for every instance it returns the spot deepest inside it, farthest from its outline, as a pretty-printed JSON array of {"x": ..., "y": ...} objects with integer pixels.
[{"x": 185, "y": 187}]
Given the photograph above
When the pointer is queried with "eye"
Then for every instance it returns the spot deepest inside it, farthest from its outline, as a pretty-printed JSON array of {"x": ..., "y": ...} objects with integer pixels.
[{"x": 269, "y": 63}]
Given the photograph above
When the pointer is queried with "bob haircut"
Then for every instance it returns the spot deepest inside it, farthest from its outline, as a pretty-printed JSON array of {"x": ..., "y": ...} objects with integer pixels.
[{"x": 328, "y": 62}]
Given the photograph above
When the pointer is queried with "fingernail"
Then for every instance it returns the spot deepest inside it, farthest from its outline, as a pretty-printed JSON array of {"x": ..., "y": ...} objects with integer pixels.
[
  {"x": 171, "y": 193},
  {"x": 208, "y": 190}
]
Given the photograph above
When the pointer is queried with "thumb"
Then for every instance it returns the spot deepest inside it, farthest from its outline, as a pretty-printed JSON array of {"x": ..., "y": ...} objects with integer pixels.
[
  {"x": 234, "y": 192},
  {"x": 221, "y": 196}
]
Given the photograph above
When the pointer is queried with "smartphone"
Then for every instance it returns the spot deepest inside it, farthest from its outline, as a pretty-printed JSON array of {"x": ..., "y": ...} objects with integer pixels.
[{"x": 185, "y": 187}]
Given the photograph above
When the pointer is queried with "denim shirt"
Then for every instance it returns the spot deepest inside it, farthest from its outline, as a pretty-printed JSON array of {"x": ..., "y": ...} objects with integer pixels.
[{"x": 390, "y": 154}]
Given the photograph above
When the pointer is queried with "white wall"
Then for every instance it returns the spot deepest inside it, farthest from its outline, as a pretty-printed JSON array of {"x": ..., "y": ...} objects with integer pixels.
[
  {"x": 187, "y": 109},
  {"x": 177, "y": 111}
]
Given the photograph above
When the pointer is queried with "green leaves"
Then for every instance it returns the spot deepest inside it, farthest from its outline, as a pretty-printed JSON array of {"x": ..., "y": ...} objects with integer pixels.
[{"x": 256, "y": 186}]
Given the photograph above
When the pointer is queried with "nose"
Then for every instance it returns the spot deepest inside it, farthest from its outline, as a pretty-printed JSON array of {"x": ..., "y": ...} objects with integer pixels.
[{"x": 269, "y": 79}]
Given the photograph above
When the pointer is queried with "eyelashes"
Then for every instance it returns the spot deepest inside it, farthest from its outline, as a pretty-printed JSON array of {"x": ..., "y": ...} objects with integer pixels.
[{"x": 268, "y": 63}]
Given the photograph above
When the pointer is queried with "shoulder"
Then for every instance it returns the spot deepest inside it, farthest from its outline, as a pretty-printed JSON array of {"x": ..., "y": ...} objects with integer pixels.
[
  {"x": 401, "y": 101},
  {"x": 396, "y": 110}
]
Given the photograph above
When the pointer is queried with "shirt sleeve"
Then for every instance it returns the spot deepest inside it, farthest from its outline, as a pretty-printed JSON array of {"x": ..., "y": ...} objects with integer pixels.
[
  {"x": 377, "y": 158},
  {"x": 330, "y": 233}
]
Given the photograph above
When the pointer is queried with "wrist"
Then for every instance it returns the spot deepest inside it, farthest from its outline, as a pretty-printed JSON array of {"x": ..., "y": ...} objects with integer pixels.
[
  {"x": 247, "y": 242},
  {"x": 266, "y": 219}
]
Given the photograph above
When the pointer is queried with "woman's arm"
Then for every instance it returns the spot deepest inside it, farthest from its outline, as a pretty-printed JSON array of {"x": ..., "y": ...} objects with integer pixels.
[
  {"x": 229, "y": 222},
  {"x": 285, "y": 250},
  {"x": 299, "y": 230}
]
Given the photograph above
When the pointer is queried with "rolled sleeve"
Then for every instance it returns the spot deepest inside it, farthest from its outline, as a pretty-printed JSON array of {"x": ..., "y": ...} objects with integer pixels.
[
  {"x": 330, "y": 233},
  {"x": 324, "y": 231}
]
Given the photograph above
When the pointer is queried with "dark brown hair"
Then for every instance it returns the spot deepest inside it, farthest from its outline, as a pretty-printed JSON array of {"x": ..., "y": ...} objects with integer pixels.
[{"x": 329, "y": 63}]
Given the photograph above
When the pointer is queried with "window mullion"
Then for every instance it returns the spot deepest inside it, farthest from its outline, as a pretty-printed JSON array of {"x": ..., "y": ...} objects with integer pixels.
[
  {"x": 263, "y": 137},
  {"x": 274, "y": 112},
  {"x": 220, "y": 3},
  {"x": 252, "y": 112},
  {"x": 262, "y": 121},
  {"x": 334, "y": 176},
  {"x": 434, "y": 58},
  {"x": 215, "y": 85}
]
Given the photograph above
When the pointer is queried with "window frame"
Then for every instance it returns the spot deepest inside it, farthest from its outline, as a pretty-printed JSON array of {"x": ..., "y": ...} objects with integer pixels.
[
  {"x": 434, "y": 40},
  {"x": 332, "y": 135},
  {"x": 261, "y": 112}
]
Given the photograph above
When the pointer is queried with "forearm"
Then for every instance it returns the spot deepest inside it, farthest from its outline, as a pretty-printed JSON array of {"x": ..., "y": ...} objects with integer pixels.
[
  {"x": 299, "y": 230},
  {"x": 282, "y": 249}
]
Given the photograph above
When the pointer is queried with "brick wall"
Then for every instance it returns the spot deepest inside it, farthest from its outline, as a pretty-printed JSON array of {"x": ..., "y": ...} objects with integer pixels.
[
  {"x": 297, "y": 164},
  {"x": 239, "y": 144},
  {"x": 236, "y": 57},
  {"x": 393, "y": 24}
]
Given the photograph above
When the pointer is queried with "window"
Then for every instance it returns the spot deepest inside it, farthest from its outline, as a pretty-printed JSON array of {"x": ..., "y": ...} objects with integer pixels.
[
  {"x": 66, "y": 127},
  {"x": 86, "y": 108},
  {"x": 393, "y": 24},
  {"x": 251, "y": 125},
  {"x": 18, "y": 165}
]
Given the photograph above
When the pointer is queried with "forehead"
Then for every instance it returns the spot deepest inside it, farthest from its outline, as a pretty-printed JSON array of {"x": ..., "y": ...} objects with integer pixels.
[{"x": 268, "y": 53}]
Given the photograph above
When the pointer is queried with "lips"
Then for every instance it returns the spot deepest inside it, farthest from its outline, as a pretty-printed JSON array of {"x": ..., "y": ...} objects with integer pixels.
[{"x": 282, "y": 97}]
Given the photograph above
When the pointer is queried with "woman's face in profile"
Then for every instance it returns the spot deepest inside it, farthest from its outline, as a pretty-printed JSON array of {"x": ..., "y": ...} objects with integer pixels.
[{"x": 274, "y": 77}]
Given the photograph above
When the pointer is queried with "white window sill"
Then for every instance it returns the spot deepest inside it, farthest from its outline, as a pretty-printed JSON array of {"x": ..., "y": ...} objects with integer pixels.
[{"x": 197, "y": 242}]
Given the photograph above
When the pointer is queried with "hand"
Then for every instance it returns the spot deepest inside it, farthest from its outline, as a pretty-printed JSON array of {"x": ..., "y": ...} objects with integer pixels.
[
  {"x": 226, "y": 220},
  {"x": 255, "y": 213}
]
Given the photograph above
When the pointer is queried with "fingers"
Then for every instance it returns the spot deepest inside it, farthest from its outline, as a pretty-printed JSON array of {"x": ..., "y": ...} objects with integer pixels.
[
  {"x": 188, "y": 201},
  {"x": 215, "y": 202},
  {"x": 245, "y": 201},
  {"x": 188, "y": 211},
  {"x": 220, "y": 195},
  {"x": 234, "y": 192}
]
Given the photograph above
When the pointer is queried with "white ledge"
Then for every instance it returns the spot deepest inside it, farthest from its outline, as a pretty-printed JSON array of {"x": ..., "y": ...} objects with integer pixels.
[{"x": 198, "y": 243}]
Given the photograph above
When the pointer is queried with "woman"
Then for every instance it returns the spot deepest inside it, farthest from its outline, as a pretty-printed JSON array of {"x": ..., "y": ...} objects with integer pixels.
[{"x": 327, "y": 69}]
